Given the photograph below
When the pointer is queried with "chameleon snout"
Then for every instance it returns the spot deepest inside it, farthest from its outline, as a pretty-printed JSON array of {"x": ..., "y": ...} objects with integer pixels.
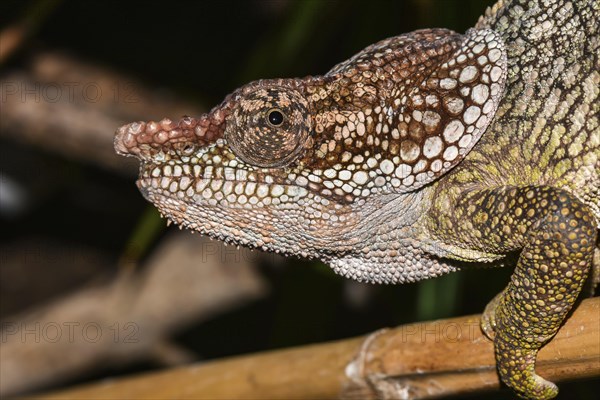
[{"x": 149, "y": 141}]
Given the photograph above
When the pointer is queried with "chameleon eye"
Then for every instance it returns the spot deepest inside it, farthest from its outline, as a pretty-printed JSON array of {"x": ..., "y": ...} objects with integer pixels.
[
  {"x": 269, "y": 127},
  {"x": 275, "y": 117}
]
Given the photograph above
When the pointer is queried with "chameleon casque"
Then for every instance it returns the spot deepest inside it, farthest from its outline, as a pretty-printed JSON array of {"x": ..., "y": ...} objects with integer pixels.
[{"x": 420, "y": 153}]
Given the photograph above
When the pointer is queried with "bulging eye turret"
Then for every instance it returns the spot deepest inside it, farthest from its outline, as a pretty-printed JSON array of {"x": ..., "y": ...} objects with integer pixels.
[{"x": 269, "y": 126}]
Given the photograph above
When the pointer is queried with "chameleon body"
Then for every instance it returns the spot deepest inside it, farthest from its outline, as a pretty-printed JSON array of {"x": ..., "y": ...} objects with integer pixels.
[{"x": 420, "y": 153}]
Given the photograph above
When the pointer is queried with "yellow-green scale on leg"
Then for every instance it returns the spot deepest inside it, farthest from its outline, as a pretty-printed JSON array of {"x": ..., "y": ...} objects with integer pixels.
[{"x": 555, "y": 234}]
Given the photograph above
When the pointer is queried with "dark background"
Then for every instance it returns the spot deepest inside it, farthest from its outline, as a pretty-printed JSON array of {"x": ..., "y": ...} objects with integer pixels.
[{"x": 200, "y": 51}]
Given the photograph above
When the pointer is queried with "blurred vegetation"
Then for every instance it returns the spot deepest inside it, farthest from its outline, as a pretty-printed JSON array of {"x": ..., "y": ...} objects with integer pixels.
[{"x": 204, "y": 50}]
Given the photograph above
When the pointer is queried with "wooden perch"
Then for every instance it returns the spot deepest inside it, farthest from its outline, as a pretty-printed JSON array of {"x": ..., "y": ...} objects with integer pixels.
[{"x": 423, "y": 360}]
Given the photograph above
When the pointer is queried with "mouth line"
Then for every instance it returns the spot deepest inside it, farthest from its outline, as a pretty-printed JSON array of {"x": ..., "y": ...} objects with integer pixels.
[
  {"x": 196, "y": 170},
  {"x": 215, "y": 191}
]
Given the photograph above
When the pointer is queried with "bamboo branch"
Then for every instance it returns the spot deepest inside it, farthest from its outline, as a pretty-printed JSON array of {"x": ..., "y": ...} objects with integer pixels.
[{"x": 423, "y": 360}]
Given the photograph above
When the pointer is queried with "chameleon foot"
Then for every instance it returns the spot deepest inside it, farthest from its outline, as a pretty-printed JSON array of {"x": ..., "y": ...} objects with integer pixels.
[
  {"x": 516, "y": 362},
  {"x": 516, "y": 366}
]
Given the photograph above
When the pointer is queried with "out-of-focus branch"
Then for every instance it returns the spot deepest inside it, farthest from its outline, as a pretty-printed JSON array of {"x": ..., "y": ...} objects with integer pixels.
[
  {"x": 190, "y": 279},
  {"x": 417, "y": 361},
  {"x": 73, "y": 108},
  {"x": 13, "y": 36}
]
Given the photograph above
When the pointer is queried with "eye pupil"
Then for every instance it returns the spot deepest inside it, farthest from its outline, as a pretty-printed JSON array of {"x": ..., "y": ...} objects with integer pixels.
[{"x": 276, "y": 117}]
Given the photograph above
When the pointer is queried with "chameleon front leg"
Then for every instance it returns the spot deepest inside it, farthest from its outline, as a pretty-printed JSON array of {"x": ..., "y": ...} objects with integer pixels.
[{"x": 556, "y": 235}]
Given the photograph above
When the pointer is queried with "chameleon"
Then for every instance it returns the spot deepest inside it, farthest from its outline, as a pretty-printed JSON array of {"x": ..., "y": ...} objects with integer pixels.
[{"x": 422, "y": 153}]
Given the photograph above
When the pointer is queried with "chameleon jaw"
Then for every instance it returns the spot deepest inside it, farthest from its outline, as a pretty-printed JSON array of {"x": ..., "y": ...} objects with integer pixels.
[{"x": 236, "y": 223}]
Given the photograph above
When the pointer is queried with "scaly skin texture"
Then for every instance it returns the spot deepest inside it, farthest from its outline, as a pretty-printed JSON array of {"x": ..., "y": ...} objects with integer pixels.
[{"x": 420, "y": 153}]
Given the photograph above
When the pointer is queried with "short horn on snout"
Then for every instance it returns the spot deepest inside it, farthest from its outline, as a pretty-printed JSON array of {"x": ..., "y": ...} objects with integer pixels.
[{"x": 145, "y": 139}]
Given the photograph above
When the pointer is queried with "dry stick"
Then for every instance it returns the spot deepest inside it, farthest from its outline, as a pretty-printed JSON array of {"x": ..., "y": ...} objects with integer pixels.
[
  {"x": 14, "y": 36},
  {"x": 73, "y": 108},
  {"x": 423, "y": 360},
  {"x": 188, "y": 279}
]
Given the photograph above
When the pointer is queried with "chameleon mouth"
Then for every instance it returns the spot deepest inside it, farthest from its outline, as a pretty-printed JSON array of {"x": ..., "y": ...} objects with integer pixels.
[{"x": 226, "y": 192}]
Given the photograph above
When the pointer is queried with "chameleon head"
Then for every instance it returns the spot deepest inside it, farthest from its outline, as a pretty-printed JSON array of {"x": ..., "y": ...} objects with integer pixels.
[
  {"x": 314, "y": 166},
  {"x": 236, "y": 172}
]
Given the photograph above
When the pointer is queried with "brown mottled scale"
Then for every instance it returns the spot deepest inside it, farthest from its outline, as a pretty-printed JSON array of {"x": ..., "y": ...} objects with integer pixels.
[
  {"x": 413, "y": 104},
  {"x": 421, "y": 151}
]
